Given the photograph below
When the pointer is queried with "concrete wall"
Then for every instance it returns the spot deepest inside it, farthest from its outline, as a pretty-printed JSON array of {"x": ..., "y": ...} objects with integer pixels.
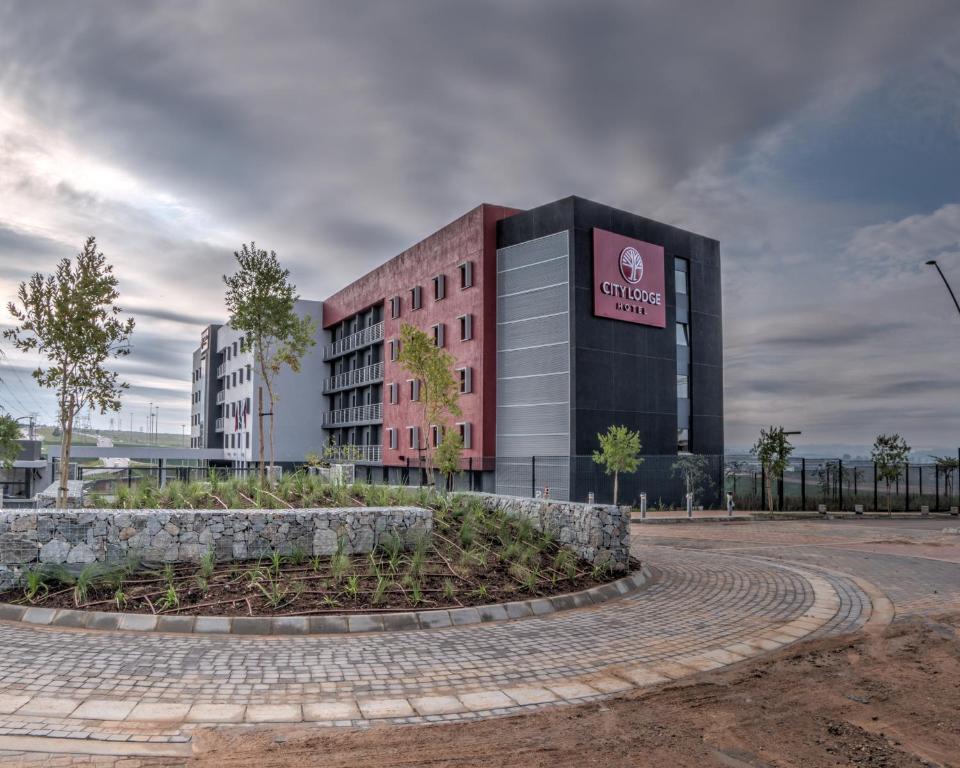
[
  {"x": 77, "y": 537},
  {"x": 598, "y": 533}
]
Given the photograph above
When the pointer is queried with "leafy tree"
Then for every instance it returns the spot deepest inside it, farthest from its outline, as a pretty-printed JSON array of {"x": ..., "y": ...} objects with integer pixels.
[
  {"x": 71, "y": 319},
  {"x": 694, "y": 470},
  {"x": 619, "y": 452},
  {"x": 889, "y": 454},
  {"x": 261, "y": 302},
  {"x": 439, "y": 388},
  {"x": 733, "y": 470},
  {"x": 448, "y": 455},
  {"x": 946, "y": 465},
  {"x": 9, "y": 440},
  {"x": 772, "y": 450}
]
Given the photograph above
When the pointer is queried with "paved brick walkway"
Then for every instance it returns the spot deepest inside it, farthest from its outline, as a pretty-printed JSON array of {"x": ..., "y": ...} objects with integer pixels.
[{"x": 720, "y": 593}]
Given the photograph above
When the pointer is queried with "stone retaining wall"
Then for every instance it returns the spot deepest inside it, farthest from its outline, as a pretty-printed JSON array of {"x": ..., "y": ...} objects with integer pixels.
[
  {"x": 598, "y": 533},
  {"x": 163, "y": 535}
]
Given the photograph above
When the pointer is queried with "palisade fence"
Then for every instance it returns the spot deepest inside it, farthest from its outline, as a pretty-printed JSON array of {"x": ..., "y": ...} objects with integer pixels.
[
  {"x": 808, "y": 483},
  {"x": 843, "y": 485}
]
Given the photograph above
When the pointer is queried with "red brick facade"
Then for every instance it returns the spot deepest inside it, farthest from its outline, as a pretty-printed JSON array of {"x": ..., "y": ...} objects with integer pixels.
[{"x": 471, "y": 238}]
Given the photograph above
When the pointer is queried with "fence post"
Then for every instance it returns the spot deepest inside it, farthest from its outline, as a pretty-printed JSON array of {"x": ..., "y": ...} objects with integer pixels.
[
  {"x": 876, "y": 507},
  {"x": 920, "y": 483},
  {"x": 906, "y": 490},
  {"x": 763, "y": 487},
  {"x": 936, "y": 486},
  {"x": 803, "y": 485},
  {"x": 533, "y": 477},
  {"x": 840, "y": 485}
]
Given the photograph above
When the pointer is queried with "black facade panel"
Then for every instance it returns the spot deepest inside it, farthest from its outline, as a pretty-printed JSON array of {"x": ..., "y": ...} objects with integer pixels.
[{"x": 625, "y": 373}]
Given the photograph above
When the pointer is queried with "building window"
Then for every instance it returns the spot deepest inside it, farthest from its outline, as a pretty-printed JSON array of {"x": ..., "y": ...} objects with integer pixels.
[
  {"x": 395, "y": 307},
  {"x": 680, "y": 271},
  {"x": 683, "y": 335},
  {"x": 413, "y": 433},
  {"x": 414, "y": 389},
  {"x": 248, "y": 439},
  {"x": 392, "y": 392},
  {"x": 233, "y": 379},
  {"x": 392, "y": 438},
  {"x": 241, "y": 376},
  {"x": 234, "y": 349},
  {"x": 683, "y": 387},
  {"x": 248, "y": 373},
  {"x": 438, "y": 334},
  {"x": 394, "y": 347},
  {"x": 466, "y": 327},
  {"x": 466, "y": 274},
  {"x": 466, "y": 380},
  {"x": 466, "y": 434},
  {"x": 436, "y": 435},
  {"x": 416, "y": 297},
  {"x": 439, "y": 287},
  {"x": 683, "y": 440}
]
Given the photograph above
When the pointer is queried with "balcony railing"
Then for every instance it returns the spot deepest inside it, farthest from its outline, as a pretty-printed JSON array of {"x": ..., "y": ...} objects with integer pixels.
[
  {"x": 369, "y": 454},
  {"x": 361, "y": 338},
  {"x": 218, "y": 425},
  {"x": 355, "y": 378},
  {"x": 358, "y": 414},
  {"x": 221, "y": 396},
  {"x": 221, "y": 369}
]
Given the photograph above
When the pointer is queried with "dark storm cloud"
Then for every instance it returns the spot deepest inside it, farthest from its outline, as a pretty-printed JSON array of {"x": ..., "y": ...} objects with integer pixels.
[{"x": 341, "y": 133}]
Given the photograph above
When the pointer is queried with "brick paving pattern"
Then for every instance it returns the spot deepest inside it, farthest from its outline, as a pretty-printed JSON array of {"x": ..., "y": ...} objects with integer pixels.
[{"x": 719, "y": 593}]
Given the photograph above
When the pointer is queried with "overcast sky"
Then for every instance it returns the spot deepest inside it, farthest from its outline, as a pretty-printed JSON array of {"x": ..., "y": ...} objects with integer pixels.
[{"x": 818, "y": 141}]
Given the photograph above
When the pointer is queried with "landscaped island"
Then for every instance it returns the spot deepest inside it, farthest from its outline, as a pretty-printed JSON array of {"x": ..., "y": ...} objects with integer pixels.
[{"x": 299, "y": 547}]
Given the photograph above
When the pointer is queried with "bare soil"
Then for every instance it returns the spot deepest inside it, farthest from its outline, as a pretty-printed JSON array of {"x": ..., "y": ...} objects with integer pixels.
[{"x": 887, "y": 700}]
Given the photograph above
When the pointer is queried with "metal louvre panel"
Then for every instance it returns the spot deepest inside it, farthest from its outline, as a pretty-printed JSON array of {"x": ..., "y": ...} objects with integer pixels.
[
  {"x": 539, "y": 419},
  {"x": 535, "y": 332},
  {"x": 532, "y": 251},
  {"x": 520, "y": 362},
  {"x": 534, "y": 276},
  {"x": 534, "y": 445},
  {"x": 543, "y": 301},
  {"x": 550, "y": 388}
]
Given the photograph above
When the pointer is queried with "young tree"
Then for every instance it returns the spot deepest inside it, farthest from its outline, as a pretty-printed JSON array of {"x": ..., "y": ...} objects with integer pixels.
[
  {"x": 733, "y": 470},
  {"x": 71, "y": 319},
  {"x": 619, "y": 452},
  {"x": 695, "y": 473},
  {"x": 889, "y": 454},
  {"x": 261, "y": 303},
  {"x": 439, "y": 389},
  {"x": 9, "y": 440},
  {"x": 946, "y": 465},
  {"x": 772, "y": 450},
  {"x": 448, "y": 456}
]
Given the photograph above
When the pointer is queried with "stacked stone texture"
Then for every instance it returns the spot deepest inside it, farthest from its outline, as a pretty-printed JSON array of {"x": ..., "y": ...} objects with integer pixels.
[
  {"x": 598, "y": 533},
  {"x": 77, "y": 537}
]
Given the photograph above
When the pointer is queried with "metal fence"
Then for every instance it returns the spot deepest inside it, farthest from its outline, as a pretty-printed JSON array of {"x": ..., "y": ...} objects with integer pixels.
[
  {"x": 807, "y": 484},
  {"x": 842, "y": 485}
]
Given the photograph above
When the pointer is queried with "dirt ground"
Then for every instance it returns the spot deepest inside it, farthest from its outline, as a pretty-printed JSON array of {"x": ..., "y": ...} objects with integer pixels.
[{"x": 885, "y": 699}]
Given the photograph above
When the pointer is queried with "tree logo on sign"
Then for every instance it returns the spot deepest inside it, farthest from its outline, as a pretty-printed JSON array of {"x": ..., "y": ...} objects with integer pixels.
[{"x": 631, "y": 265}]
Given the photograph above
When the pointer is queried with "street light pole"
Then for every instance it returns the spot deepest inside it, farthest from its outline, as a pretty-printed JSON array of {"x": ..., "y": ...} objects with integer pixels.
[{"x": 933, "y": 263}]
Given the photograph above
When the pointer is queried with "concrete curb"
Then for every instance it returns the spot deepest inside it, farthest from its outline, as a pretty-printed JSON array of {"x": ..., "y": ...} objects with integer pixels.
[{"x": 334, "y": 624}]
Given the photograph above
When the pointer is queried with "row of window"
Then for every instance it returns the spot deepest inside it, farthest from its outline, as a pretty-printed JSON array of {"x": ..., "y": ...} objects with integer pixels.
[
  {"x": 465, "y": 429},
  {"x": 439, "y": 333},
  {"x": 235, "y": 378},
  {"x": 232, "y": 350},
  {"x": 465, "y": 271},
  {"x": 464, "y": 377},
  {"x": 237, "y": 440}
]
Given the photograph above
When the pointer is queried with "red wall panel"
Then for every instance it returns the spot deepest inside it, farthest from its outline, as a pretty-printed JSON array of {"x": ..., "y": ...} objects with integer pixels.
[{"x": 472, "y": 237}]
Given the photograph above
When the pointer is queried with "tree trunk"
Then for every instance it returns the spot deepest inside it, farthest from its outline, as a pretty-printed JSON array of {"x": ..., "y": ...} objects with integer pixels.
[
  {"x": 66, "y": 442},
  {"x": 616, "y": 487},
  {"x": 272, "y": 422},
  {"x": 769, "y": 488},
  {"x": 260, "y": 430}
]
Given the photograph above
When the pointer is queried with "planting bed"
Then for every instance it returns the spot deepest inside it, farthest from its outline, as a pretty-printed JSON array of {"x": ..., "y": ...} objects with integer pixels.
[{"x": 473, "y": 556}]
